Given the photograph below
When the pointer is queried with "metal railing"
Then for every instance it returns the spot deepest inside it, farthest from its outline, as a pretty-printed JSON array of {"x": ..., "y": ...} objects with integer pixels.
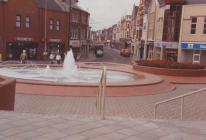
[
  {"x": 182, "y": 97},
  {"x": 100, "y": 99}
]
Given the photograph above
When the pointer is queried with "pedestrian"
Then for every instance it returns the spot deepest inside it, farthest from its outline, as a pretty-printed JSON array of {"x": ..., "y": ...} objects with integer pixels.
[
  {"x": 23, "y": 57},
  {"x": 58, "y": 58},
  {"x": 51, "y": 58}
]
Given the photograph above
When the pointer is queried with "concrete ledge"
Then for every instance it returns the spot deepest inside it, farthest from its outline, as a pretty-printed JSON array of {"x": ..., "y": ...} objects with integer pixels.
[
  {"x": 171, "y": 72},
  {"x": 7, "y": 93}
]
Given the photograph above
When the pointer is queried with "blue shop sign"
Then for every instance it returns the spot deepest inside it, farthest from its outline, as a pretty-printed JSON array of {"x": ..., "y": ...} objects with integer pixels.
[{"x": 194, "y": 46}]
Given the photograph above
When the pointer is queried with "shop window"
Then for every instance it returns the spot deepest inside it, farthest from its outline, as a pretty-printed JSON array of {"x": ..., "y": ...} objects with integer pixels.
[
  {"x": 28, "y": 21},
  {"x": 51, "y": 24},
  {"x": 18, "y": 21},
  {"x": 193, "y": 25},
  {"x": 58, "y": 25},
  {"x": 204, "y": 30}
]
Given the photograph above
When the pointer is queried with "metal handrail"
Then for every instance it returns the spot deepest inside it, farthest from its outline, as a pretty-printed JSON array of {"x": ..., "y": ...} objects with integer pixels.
[
  {"x": 175, "y": 98},
  {"x": 100, "y": 99}
]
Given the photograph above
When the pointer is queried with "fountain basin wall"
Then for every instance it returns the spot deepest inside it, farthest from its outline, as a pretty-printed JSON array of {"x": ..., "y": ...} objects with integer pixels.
[
  {"x": 7, "y": 93},
  {"x": 171, "y": 72},
  {"x": 146, "y": 84}
]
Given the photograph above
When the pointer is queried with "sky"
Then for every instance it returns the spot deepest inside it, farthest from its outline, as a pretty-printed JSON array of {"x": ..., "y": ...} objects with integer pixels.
[{"x": 105, "y": 13}]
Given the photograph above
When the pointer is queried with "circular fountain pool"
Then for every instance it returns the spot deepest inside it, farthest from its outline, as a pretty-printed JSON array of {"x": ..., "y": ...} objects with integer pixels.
[
  {"x": 57, "y": 81},
  {"x": 56, "y": 74}
]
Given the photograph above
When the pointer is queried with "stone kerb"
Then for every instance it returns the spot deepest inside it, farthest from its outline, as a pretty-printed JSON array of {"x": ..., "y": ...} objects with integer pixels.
[
  {"x": 171, "y": 72},
  {"x": 7, "y": 93}
]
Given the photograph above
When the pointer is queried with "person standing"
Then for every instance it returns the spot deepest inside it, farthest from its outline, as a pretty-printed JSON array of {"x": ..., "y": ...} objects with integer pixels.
[
  {"x": 51, "y": 58},
  {"x": 23, "y": 57},
  {"x": 58, "y": 58}
]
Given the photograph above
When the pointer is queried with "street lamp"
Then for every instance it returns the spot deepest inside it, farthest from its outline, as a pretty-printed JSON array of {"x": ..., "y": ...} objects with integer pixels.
[
  {"x": 69, "y": 30},
  {"x": 45, "y": 27}
]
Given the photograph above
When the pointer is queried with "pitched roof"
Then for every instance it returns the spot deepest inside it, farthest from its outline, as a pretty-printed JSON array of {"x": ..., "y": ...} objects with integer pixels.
[
  {"x": 58, "y": 5},
  {"x": 51, "y": 5}
]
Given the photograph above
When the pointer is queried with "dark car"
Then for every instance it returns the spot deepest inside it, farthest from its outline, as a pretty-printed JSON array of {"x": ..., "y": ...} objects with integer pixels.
[{"x": 99, "y": 51}]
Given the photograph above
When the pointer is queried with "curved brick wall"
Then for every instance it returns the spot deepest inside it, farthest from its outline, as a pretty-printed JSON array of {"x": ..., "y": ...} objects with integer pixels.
[
  {"x": 170, "y": 72},
  {"x": 7, "y": 93}
]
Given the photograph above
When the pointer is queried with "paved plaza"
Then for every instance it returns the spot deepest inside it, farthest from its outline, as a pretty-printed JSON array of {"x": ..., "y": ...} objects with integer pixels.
[
  {"x": 38, "y": 117},
  {"x": 15, "y": 126},
  {"x": 130, "y": 107}
]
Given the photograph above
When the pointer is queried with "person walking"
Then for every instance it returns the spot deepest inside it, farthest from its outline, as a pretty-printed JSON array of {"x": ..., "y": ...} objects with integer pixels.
[{"x": 23, "y": 57}]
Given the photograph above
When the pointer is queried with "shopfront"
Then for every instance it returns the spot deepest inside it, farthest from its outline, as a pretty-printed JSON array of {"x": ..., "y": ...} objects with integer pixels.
[
  {"x": 194, "y": 52},
  {"x": 15, "y": 48},
  {"x": 55, "y": 46},
  {"x": 166, "y": 51},
  {"x": 75, "y": 45}
]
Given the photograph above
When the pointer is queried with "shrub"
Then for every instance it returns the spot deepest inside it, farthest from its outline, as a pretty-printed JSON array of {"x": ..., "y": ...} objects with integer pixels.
[{"x": 168, "y": 64}]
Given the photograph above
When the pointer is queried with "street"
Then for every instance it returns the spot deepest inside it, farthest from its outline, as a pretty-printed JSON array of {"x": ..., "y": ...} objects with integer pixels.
[{"x": 110, "y": 55}]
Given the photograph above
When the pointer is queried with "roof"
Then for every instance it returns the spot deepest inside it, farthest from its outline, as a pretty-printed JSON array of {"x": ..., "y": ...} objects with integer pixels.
[
  {"x": 58, "y": 5},
  {"x": 51, "y": 5}
]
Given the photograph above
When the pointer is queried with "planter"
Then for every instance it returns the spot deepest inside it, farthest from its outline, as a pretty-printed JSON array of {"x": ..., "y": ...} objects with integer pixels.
[
  {"x": 7, "y": 93},
  {"x": 171, "y": 72}
]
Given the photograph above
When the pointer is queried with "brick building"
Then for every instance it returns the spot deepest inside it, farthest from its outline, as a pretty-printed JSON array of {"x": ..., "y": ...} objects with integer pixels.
[
  {"x": 26, "y": 25},
  {"x": 79, "y": 40}
]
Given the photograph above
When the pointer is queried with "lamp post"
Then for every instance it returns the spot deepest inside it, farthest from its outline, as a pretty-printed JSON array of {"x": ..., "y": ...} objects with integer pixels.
[
  {"x": 69, "y": 30},
  {"x": 45, "y": 27}
]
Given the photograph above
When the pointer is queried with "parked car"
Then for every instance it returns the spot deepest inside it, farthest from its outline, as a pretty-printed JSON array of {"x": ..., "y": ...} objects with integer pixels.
[
  {"x": 125, "y": 52},
  {"x": 99, "y": 51}
]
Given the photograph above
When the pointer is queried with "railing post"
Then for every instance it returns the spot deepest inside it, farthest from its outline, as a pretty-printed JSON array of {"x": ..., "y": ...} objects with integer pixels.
[
  {"x": 182, "y": 107},
  {"x": 103, "y": 94}
]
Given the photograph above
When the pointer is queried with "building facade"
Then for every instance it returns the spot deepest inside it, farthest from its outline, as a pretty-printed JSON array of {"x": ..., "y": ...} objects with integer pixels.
[
  {"x": 79, "y": 41},
  {"x": 38, "y": 27},
  {"x": 192, "y": 46},
  {"x": 168, "y": 29}
]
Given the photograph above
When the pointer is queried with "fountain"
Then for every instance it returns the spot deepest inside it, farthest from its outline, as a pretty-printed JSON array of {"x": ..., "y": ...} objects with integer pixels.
[
  {"x": 69, "y": 66},
  {"x": 72, "y": 81}
]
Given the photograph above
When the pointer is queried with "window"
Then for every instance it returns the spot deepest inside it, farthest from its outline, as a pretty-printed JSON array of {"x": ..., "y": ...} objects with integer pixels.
[
  {"x": 74, "y": 33},
  {"x": 58, "y": 25},
  {"x": 84, "y": 19},
  {"x": 28, "y": 21},
  {"x": 75, "y": 17},
  {"x": 83, "y": 34},
  {"x": 51, "y": 24},
  {"x": 204, "y": 30},
  {"x": 18, "y": 21},
  {"x": 193, "y": 25}
]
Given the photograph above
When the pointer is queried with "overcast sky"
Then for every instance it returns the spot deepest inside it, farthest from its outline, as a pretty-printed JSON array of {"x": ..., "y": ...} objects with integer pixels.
[{"x": 105, "y": 13}]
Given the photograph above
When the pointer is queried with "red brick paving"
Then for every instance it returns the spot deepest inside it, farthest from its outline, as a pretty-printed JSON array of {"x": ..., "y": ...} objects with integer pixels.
[{"x": 184, "y": 80}]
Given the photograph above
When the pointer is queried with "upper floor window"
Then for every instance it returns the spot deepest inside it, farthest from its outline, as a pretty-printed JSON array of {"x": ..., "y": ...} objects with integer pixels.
[
  {"x": 193, "y": 25},
  {"x": 84, "y": 19},
  {"x": 28, "y": 21},
  {"x": 58, "y": 25},
  {"x": 75, "y": 17},
  {"x": 18, "y": 21},
  {"x": 204, "y": 30},
  {"x": 51, "y": 24}
]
